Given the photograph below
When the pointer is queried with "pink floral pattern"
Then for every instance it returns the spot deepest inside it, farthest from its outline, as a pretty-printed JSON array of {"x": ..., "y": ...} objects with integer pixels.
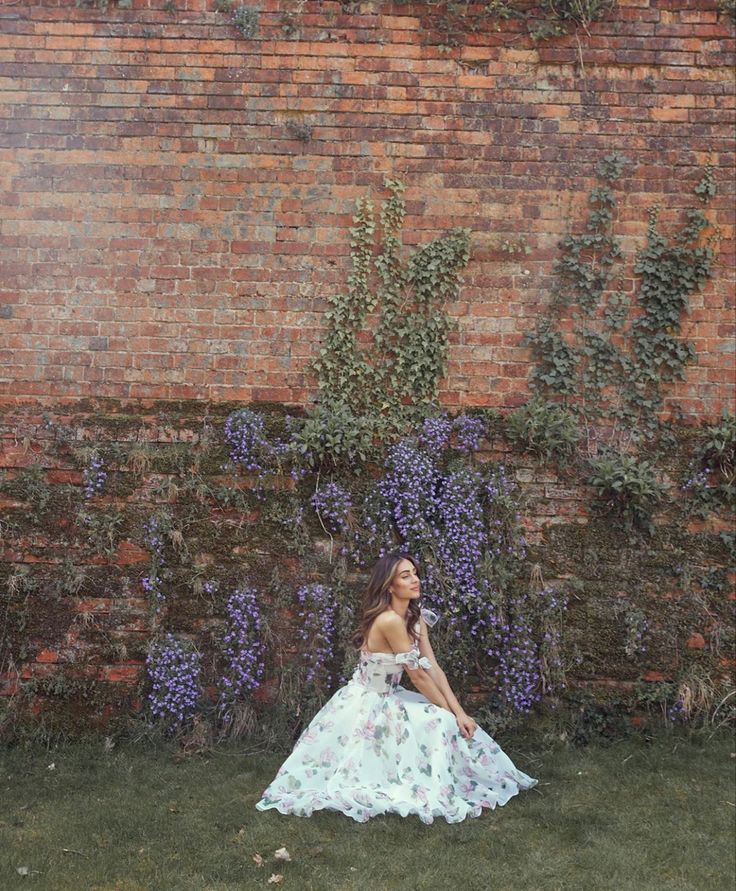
[{"x": 377, "y": 748}]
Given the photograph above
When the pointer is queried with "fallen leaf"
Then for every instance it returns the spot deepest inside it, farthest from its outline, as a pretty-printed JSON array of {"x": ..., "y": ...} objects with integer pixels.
[
  {"x": 258, "y": 860},
  {"x": 276, "y": 879},
  {"x": 282, "y": 854}
]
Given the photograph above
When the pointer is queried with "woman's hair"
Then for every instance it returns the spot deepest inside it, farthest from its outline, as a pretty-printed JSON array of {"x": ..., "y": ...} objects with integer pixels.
[{"x": 377, "y": 597}]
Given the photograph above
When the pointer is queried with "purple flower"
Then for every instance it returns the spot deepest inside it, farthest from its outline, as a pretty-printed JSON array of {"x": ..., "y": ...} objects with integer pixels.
[
  {"x": 698, "y": 480},
  {"x": 434, "y": 435},
  {"x": 469, "y": 431},
  {"x": 154, "y": 541},
  {"x": 243, "y": 649},
  {"x": 332, "y": 504},
  {"x": 94, "y": 476},
  {"x": 317, "y": 629},
  {"x": 249, "y": 446},
  {"x": 462, "y": 522},
  {"x": 174, "y": 672}
]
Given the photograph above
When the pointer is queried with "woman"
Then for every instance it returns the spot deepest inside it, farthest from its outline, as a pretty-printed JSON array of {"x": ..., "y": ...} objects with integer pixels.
[{"x": 377, "y": 748}]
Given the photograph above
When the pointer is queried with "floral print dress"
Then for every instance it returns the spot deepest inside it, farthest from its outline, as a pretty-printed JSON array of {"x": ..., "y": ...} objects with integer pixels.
[{"x": 377, "y": 748}]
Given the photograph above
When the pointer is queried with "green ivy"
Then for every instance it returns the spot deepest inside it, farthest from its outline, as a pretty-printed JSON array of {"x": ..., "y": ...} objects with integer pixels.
[
  {"x": 706, "y": 188},
  {"x": 385, "y": 348},
  {"x": 670, "y": 272},
  {"x": 612, "y": 369}
]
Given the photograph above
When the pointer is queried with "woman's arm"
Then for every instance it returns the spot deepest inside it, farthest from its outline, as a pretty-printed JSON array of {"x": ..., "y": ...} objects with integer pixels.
[
  {"x": 394, "y": 630},
  {"x": 465, "y": 722}
]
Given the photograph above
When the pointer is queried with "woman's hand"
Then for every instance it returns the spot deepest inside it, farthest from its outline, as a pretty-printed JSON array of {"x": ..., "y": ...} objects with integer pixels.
[{"x": 466, "y": 724}]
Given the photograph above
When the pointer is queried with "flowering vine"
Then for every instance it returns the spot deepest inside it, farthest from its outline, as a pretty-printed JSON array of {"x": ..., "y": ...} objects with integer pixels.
[
  {"x": 528, "y": 648},
  {"x": 469, "y": 431},
  {"x": 317, "y": 630},
  {"x": 152, "y": 583},
  {"x": 94, "y": 476},
  {"x": 245, "y": 435},
  {"x": 435, "y": 433},
  {"x": 332, "y": 504},
  {"x": 462, "y": 520},
  {"x": 251, "y": 448},
  {"x": 174, "y": 671},
  {"x": 636, "y": 628},
  {"x": 242, "y": 649}
]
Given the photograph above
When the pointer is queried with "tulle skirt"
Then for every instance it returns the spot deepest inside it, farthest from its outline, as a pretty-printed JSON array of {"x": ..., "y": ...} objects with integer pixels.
[{"x": 367, "y": 753}]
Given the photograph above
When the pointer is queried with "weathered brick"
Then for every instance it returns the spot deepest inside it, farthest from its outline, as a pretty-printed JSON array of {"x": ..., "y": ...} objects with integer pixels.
[
  {"x": 129, "y": 673},
  {"x": 170, "y": 210}
]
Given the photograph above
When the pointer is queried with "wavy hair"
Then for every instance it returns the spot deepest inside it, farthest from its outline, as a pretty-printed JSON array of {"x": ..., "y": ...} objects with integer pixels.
[{"x": 377, "y": 597}]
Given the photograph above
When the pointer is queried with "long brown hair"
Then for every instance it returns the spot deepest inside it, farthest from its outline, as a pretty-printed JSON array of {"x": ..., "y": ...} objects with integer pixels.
[{"x": 377, "y": 597}]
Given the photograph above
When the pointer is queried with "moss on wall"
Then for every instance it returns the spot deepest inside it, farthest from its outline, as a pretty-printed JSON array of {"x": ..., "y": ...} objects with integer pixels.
[{"x": 77, "y": 621}]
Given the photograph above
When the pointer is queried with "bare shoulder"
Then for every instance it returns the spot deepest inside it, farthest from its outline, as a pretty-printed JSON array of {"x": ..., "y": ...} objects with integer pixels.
[{"x": 388, "y": 619}]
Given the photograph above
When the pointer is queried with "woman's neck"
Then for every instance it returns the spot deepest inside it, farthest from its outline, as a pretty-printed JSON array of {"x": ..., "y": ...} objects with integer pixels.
[{"x": 400, "y": 606}]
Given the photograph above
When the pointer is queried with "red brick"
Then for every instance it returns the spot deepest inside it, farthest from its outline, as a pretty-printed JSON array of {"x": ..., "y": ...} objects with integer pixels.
[
  {"x": 653, "y": 675},
  {"x": 47, "y": 656},
  {"x": 121, "y": 673},
  {"x": 220, "y": 200}
]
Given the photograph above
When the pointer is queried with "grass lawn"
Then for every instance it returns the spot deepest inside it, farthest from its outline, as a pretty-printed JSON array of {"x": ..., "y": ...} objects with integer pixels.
[{"x": 630, "y": 815}]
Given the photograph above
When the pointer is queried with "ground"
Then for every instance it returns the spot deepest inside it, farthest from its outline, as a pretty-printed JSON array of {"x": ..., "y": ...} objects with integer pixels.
[{"x": 631, "y": 816}]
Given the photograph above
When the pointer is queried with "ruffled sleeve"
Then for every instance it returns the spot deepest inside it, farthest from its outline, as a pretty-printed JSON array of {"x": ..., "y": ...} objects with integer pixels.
[
  {"x": 412, "y": 659},
  {"x": 429, "y": 617}
]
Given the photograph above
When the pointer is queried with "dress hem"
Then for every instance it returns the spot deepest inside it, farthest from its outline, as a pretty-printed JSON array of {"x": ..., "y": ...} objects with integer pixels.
[{"x": 361, "y": 816}]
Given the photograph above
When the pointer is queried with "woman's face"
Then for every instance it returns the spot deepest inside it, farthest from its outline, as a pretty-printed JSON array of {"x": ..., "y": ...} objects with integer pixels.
[{"x": 405, "y": 583}]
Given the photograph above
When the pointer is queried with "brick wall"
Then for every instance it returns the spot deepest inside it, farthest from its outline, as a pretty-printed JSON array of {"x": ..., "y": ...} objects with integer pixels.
[
  {"x": 176, "y": 198},
  {"x": 76, "y": 620}
]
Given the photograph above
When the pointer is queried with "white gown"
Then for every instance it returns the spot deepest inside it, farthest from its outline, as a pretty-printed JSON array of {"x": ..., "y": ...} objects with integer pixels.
[{"x": 377, "y": 748}]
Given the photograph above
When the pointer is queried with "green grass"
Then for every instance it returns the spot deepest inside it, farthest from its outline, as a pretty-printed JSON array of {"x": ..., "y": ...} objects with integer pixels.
[{"x": 626, "y": 816}]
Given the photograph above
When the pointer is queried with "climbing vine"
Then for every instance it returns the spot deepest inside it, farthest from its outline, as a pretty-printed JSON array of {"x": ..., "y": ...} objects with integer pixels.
[
  {"x": 602, "y": 358},
  {"x": 613, "y": 368},
  {"x": 405, "y": 355}
]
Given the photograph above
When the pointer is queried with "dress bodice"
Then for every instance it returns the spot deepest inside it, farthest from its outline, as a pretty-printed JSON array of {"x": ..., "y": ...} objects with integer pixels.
[{"x": 382, "y": 672}]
